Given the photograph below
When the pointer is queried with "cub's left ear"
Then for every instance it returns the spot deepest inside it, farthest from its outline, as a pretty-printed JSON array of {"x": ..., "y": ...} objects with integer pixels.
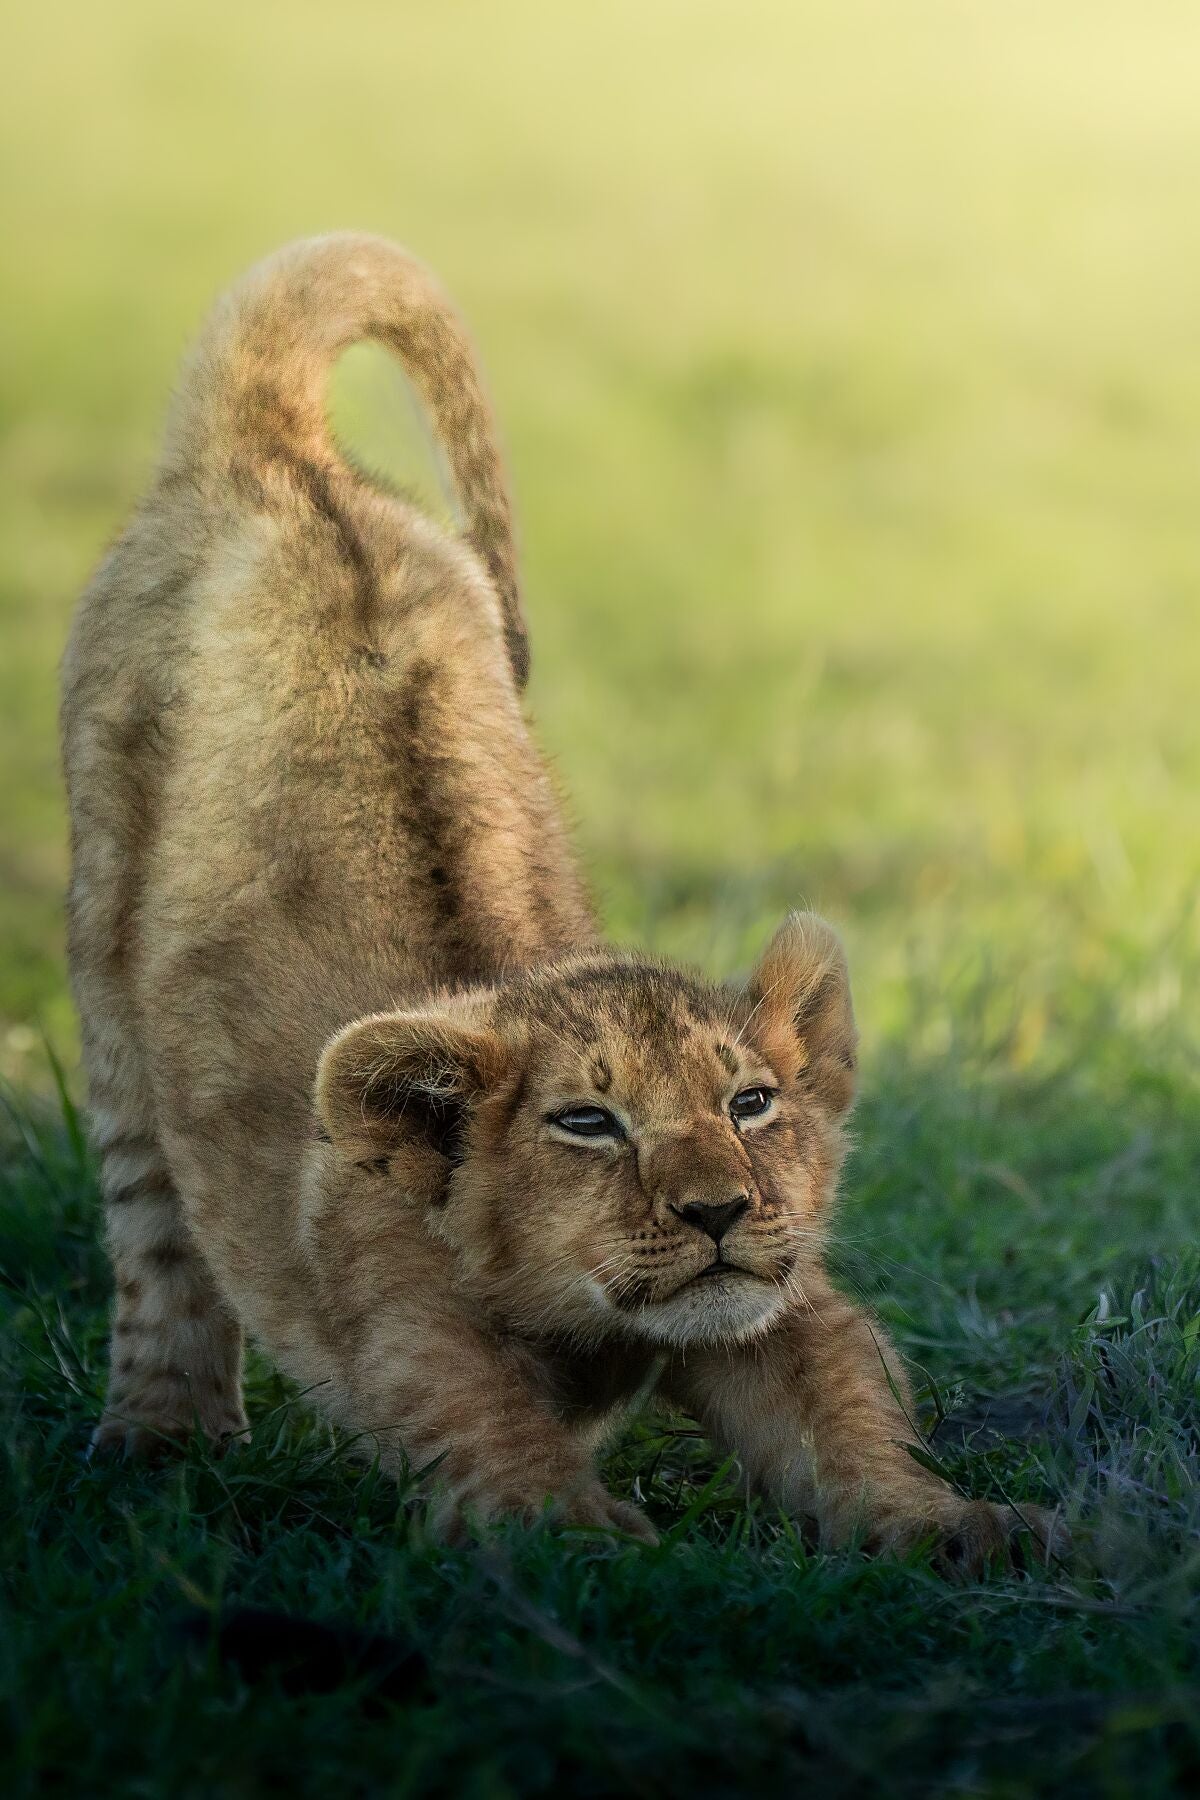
[
  {"x": 403, "y": 1082},
  {"x": 800, "y": 991}
]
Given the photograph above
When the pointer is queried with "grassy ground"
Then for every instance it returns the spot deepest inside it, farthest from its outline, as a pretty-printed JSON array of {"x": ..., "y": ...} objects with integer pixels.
[{"x": 848, "y": 362}]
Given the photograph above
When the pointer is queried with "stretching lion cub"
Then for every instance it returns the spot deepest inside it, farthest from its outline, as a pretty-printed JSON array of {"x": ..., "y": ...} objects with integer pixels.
[{"x": 364, "y": 1080}]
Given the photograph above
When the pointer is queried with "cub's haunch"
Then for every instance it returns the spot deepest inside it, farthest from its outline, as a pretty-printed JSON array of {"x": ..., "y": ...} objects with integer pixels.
[{"x": 364, "y": 1079}]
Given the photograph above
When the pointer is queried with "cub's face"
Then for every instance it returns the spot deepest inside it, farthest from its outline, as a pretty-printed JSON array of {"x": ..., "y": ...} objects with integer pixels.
[{"x": 614, "y": 1147}]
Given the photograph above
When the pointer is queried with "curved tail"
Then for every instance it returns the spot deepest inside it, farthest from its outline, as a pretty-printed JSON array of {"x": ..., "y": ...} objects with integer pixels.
[{"x": 260, "y": 369}]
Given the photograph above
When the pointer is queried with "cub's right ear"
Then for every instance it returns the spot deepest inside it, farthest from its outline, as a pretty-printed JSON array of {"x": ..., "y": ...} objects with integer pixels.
[
  {"x": 400, "y": 1080},
  {"x": 801, "y": 991}
]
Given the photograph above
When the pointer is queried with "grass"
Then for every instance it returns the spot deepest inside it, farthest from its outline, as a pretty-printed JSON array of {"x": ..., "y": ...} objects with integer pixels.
[
  {"x": 732, "y": 1659},
  {"x": 851, "y": 401}
]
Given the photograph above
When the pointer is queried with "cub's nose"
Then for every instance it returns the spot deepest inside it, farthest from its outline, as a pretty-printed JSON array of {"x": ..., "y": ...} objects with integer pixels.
[{"x": 713, "y": 1218}]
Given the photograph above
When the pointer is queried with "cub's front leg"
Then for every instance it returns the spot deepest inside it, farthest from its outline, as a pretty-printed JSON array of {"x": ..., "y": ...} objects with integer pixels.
[
  {"x": 811, "y": 1410},
  {"x": 418, "y": 1361},
  {"x": 450, "y": 1398}
]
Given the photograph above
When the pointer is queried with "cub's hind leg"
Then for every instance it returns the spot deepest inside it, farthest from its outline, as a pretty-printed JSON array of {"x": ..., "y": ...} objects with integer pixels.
[
  {"x": 176, "y": 1349},
  {"x": 175, "y": 1358}
]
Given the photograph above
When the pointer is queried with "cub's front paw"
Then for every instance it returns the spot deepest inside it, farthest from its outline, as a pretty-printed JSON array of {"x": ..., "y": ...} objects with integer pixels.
[
  {"x": 458, "y": 1516},
  {"x": 598, "y": 1510},
  {"x": 975, "y": 1533}
]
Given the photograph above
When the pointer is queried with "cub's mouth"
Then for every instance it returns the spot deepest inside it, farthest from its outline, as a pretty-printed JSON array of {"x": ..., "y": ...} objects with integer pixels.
[{"x": 723, "y": 1302}]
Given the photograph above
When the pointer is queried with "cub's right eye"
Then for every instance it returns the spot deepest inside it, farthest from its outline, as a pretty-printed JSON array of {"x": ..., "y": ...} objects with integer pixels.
[{"x": 587, "y": 1122}]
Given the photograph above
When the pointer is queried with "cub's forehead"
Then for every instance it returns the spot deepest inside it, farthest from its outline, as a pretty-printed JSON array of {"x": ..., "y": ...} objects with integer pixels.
[
  {"x": 619, "y": 1024},
  {"x": 644, "y": 1000}
]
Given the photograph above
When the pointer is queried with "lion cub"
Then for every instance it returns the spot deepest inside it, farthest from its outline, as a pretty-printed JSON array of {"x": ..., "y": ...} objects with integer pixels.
[{"x": 364, "y": 1080}]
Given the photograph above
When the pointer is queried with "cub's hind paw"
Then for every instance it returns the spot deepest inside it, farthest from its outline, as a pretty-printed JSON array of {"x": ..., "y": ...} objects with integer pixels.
[{"x": 140, "y": 1435}]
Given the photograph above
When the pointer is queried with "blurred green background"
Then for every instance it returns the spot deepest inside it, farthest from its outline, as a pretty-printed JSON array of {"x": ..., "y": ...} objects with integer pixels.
[{"x": 848, "y": 359}]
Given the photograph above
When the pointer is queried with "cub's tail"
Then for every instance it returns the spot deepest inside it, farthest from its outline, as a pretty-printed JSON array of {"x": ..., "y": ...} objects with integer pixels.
[{"x": 256, "y": 383}]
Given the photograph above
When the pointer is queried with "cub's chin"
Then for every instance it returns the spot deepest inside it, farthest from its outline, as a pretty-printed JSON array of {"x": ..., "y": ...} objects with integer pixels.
[{"x": 714, "y": 1309}]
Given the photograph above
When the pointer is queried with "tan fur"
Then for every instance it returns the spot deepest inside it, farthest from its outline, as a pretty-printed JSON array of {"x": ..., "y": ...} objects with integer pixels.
[{"x": 338, "y": 980}]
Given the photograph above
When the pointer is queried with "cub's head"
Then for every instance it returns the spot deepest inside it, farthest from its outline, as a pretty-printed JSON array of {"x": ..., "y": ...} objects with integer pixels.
[{"x": 612, "y": 1146}]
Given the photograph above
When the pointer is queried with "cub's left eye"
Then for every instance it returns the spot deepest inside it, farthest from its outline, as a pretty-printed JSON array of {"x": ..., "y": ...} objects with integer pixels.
[
  {"x": 587, "y": 1122},
  {"x": 751, "y": 1103}
]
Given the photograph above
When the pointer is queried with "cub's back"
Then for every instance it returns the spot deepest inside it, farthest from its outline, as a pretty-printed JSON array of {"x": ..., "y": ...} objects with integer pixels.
[{"x": 301, "y": 785}]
